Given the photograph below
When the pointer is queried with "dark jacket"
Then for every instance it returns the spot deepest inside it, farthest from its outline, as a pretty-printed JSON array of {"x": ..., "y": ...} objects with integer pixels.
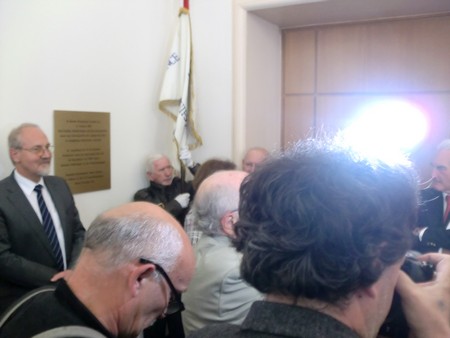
[
  {"x": 165, "y": 196},
  {"x": 431, "y": 213},
  {"x": 26, "y": 257},
  {"x": 50, "y": 310},
  {"x": 267, "y": 319}
]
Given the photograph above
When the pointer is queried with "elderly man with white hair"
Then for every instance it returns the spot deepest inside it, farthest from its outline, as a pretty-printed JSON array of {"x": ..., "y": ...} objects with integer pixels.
[{"x": 165, "y": 189}]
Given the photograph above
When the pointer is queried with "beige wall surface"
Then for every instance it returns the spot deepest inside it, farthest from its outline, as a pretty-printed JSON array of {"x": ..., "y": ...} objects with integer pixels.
[
  {"x": 330, "y": 72},
  {"x": 257, "y": 76},
  {"x": 263, "y": 90}
]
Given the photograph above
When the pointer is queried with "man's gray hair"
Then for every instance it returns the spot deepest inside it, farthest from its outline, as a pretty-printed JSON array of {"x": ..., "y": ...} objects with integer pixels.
[
  {"x": 444, "y": 145},
  {"x": 119, "y": 240},
  {"x": 150, "y": 160},
  {"x": 211, "y": 205},
  {"x": 14, "y": 139}
]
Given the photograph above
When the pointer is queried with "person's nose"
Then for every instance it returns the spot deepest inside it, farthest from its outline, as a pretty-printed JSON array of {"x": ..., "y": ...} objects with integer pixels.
[
  {"x": 46, "y": 153},
  {"x": 434, "y": 173}
]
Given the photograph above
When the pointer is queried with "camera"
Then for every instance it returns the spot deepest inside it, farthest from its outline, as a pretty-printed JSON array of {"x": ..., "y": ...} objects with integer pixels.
[{"x": 395, "y": 325}]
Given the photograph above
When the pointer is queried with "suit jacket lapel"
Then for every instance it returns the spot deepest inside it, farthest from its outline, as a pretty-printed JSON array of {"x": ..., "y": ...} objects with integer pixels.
[
  {"x": 55, "y": 191},
  {"x": 447, "y": 220},
  {"x": 23, "y": 207}
]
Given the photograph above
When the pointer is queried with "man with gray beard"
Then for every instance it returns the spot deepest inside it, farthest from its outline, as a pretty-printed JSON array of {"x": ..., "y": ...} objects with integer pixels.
[{"x": 41, "y": 234}]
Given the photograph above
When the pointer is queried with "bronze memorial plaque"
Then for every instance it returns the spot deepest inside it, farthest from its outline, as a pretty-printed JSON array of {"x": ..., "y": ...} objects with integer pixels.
[{"x": 82, "y": 149}]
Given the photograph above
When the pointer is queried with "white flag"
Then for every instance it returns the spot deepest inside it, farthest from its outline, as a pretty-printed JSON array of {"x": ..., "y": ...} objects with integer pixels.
[{"x": 177, "y": 93}]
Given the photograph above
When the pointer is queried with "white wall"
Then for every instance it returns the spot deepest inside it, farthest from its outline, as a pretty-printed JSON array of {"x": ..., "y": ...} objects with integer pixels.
[
  {"x": 109, "y": 56},
  {"x": 257, "y": 79},
  {"x": 263, "y": 111}
]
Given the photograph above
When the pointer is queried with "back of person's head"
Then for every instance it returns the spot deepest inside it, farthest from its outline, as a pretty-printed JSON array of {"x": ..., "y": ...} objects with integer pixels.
[
  {"x": 321, "y": 221},
  {"x": 209, "y": 167},
  {"x": 119, "y": 237},
  {"x": 216, "y": 196}
]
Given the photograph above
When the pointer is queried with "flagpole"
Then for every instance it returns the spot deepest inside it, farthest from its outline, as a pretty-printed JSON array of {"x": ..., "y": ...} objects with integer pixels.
[{"x": 177, "y": 98}]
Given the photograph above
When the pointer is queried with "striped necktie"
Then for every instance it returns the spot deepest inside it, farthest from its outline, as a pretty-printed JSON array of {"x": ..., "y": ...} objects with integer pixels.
[
  {"x": 49, "y": 228},
  {"x": 447, "y": 209}
]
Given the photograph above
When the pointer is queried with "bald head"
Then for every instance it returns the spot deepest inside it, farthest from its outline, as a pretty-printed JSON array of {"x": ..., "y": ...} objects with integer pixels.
[
  {"x": 138, "y": 230},
  {"x": 253, "y": 157},
  {"x": 133, "y": 252},
  {"x": 217, "y": 197},
  {"x": 227, "y": 179},
  {"x": 150, "y": 209}
]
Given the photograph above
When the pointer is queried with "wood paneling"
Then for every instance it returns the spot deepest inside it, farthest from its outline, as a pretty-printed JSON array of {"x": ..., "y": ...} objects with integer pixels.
[
  {"x": 406, "y": 55},
  {"x": 331, "y": 72},
  {"x": 299, "y": 61},
  {"x": 298, "y": 118}
]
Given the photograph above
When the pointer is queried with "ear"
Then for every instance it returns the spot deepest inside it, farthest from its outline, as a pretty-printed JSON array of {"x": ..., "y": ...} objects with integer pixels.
[
  {"x": 149, "y": 176},
  {"x": 227, "y": 223},
  {"x": 139, "y": 275},
  {"x": 14, "y": 154},
  {"x": 370, "y": 291}
]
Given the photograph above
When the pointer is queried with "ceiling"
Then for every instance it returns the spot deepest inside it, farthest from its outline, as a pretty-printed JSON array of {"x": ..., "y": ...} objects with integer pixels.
[{"x": 319, "y": 12}]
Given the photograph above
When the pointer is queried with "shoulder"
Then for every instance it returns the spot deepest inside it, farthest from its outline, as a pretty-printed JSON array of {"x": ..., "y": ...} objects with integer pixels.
[
  {"x": 7, "y": 181},
  {"x": 177, "y": 181},
  {"x": 218, "y": 263},
  {"x": 218, "y": 330},
  {"x": 55, "y": 181},
  {"x": 35, "y": 306},
  {"x": 218, "y": 249},
  {"x": 58, "y": 185},
  {"x": 141, "y": 194}
]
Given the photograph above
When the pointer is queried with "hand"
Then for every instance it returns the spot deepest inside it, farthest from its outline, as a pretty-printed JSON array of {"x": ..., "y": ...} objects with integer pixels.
[
  {"x": 186, "y": 157},
  {"x": 427, "y": 305},
  {"x": 183, "y": 199}
]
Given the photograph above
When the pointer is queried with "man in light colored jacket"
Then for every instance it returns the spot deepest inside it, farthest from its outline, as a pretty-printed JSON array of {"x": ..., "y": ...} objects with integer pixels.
[{"x": 217, "y": 293}]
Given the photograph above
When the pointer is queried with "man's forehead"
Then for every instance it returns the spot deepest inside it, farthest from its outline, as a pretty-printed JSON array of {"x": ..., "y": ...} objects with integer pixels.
[
  {"x": 161, "y": 162},
  {"x": 255, "y": 154},
  {"x": 32, "y": 134},
  {"x": 442, "y": 157}
]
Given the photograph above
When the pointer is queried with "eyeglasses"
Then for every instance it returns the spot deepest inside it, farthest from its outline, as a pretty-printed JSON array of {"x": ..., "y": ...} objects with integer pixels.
[
  {"x": 39, "y": 150},
  {"x": 175, "y": 304}
]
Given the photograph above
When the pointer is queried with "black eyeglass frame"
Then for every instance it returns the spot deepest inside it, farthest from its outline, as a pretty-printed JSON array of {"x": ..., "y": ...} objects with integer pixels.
[
  {"x": 175, "y": 304},
  {"x": 39, "y": 150}
]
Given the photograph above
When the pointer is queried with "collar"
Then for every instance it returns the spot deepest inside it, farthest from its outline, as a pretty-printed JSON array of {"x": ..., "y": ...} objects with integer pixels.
[
  {"x": 26, "y": 184},
  {"x": 293, "y": 321},
  {"x": 65, "y": 295}
]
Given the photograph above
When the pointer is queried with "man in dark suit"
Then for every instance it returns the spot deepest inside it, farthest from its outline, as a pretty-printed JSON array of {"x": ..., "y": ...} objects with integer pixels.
[
  {"x": 433, "y": 223},
  {"x": 37, "y": 245}
]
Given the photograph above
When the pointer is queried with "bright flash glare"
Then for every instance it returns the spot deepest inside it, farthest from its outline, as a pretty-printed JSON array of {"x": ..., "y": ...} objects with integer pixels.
[{"x": 387, "y": 128}]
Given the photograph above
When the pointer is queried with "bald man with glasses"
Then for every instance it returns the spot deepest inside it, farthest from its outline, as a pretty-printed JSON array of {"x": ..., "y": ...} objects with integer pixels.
[
  {"x": 41, "y": 234},
  {"x": 135, "y": 263}
]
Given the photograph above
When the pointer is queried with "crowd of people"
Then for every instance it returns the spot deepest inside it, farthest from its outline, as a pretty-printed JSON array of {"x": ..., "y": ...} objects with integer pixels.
[{"x": 308, "y": 242}]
